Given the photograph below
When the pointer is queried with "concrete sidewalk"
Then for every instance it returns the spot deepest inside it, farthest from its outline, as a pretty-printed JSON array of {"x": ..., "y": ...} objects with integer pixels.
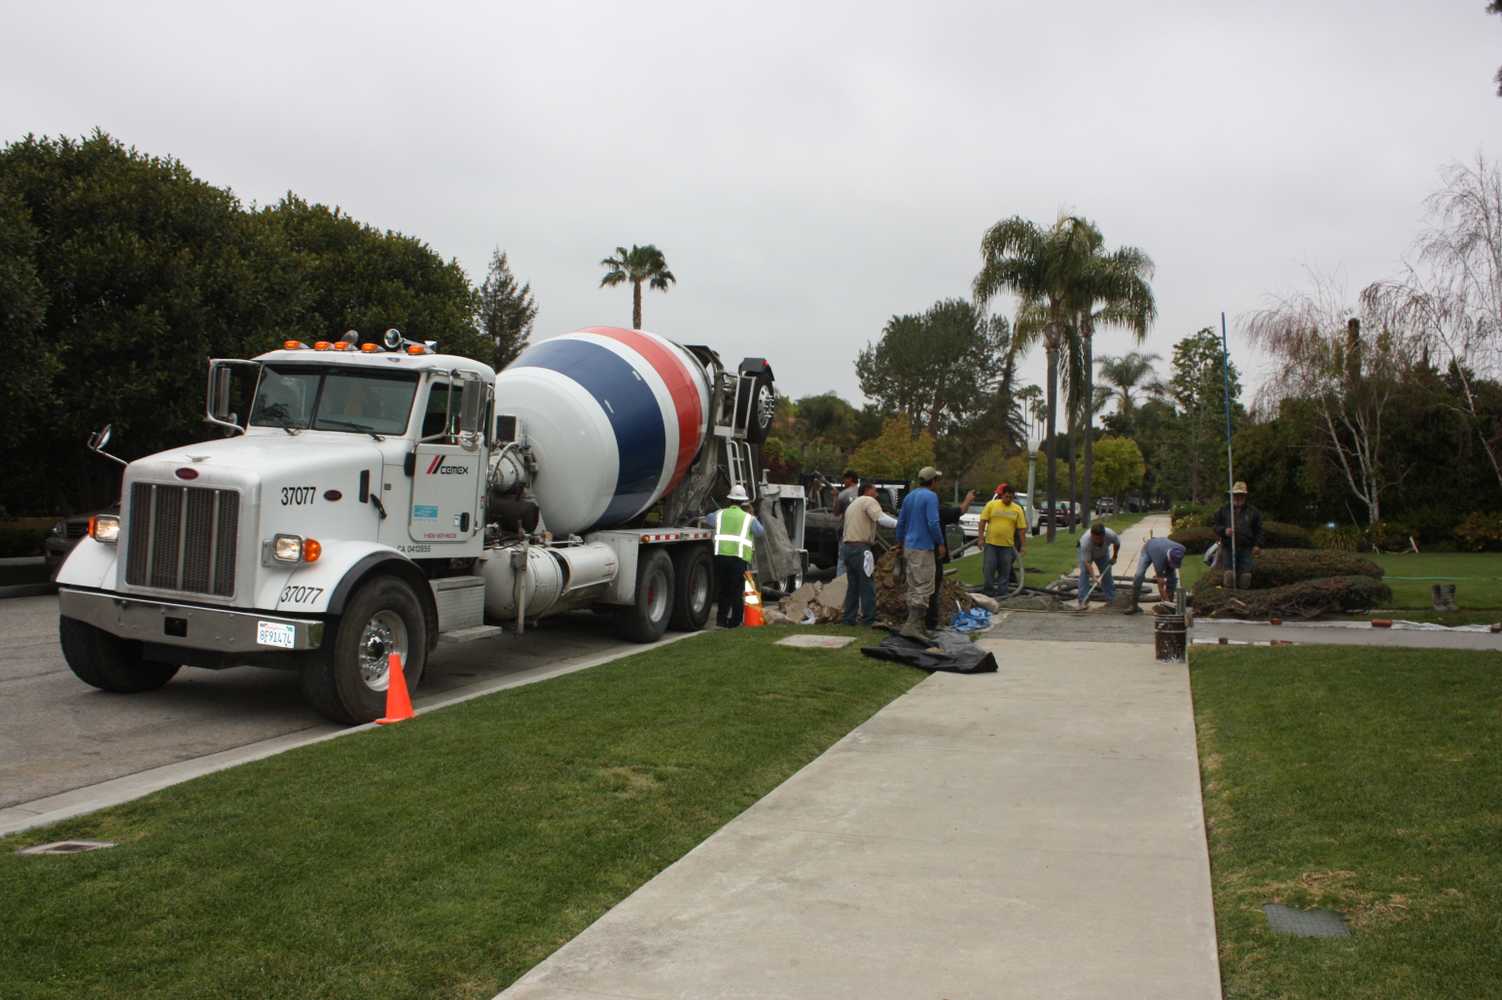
[{"x": 1032, "y": 833}]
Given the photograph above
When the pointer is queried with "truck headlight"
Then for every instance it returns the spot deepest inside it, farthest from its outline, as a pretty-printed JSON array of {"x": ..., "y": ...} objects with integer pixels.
[
  {"x": 104, "y": 528},
  {"x": 295, "y": 548},
  {"x": 287, "y": 548}
]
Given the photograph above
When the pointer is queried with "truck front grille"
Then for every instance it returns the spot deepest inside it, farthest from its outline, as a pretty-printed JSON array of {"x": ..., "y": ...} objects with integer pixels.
[{"x": 182, "y": 538}]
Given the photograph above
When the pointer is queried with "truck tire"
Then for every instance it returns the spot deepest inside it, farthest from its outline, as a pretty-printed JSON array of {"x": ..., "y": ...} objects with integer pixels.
[
  {"x": 763, "y": 407},
  {"x": 648, "y": 618},
  {"x": 693, "y": 588},
  {"x": 348, "y": 682},
  {"x": 107, "y": 662}
]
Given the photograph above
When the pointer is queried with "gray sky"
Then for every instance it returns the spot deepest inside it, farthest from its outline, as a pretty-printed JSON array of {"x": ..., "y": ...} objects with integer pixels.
[{"x": 808, "y": 169}]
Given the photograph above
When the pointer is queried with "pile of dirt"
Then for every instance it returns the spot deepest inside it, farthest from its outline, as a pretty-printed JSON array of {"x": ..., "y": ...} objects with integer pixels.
[
  {"x": 824, "y": 603},
  {"x": 1295, "y": 601}
]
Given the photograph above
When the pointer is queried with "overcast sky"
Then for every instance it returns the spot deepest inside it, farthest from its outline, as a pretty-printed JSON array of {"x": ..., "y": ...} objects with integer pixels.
[{"x": 809, "y": 170}]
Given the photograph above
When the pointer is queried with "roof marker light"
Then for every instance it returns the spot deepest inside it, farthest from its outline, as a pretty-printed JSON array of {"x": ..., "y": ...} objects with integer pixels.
[
  {"x": 321, "y": 345},
  {"x": 368, "y": 348},
  {"x": 416, "y": 349},
  {"x": 294, "y": 345}
]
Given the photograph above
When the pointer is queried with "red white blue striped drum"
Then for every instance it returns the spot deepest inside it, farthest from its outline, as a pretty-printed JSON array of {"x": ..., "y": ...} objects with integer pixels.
[{"x": 615, "y": 418}]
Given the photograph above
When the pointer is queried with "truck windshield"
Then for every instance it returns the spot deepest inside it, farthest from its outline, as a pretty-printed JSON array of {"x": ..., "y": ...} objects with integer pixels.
[{"x": 327, "y": 399}]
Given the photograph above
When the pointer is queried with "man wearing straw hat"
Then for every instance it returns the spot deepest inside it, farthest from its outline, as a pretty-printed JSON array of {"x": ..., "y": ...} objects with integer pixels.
[{"x": 1239, "y": 527}]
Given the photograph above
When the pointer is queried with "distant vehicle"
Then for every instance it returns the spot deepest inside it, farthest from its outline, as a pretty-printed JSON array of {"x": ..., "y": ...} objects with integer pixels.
[
  {"x": 1063, "y": 514},
  {"x": 970, "y": 520},
  {"x": 64, "y": 535},
  {"x": 1105, "y": 505}
]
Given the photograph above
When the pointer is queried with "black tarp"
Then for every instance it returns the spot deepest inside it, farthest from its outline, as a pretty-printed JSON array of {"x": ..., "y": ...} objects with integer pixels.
[{"x": 950, "y": 651}]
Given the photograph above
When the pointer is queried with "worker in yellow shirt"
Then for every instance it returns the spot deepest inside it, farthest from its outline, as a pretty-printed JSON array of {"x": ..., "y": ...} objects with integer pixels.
[{"x": 1003, "y": 529}]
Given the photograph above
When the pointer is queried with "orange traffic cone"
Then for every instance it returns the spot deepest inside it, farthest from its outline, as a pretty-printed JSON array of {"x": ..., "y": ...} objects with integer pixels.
[
  {"x": 753, "y": 616},
  {"x": 398, "y": 702}
]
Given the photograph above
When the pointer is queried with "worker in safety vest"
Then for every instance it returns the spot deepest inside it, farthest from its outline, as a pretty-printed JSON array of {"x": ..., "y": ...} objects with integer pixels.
[{"x": 735, "y": 527}]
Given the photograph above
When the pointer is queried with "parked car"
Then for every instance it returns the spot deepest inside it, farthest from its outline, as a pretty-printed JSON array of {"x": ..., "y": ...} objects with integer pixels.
[
  {"x": 1105, "y": 505},
  {"x": 822, "y": 530},
  {"x": 64, "y": 535},
  {"x": 970, "y": 520}
]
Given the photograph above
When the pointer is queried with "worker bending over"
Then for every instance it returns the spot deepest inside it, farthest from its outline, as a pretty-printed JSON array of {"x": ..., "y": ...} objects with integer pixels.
[
  {"x": 1099, "y": 548},
  {"x": 1165, "y": 556}
]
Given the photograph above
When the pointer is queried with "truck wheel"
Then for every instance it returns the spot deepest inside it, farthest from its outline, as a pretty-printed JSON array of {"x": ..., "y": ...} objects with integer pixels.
[
  {"x": 693, "y": 588},
  {"x": 763, "y": 409},
  {"x": 107, "y": 662},
  {"x": 348, "y": 683},
  {"x": 648, "y": 618}
]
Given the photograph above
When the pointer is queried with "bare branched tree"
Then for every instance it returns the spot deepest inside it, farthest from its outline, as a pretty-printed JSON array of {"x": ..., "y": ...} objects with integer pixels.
[
  {"x": 1327, "y": 354},
  {"x": 1449, "y": 303}
]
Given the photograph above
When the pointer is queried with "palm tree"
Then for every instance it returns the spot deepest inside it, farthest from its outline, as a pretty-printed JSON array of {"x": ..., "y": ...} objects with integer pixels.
[
  {"x": 1127, "y": 375},
  {"x": 1110, "y": 289},
  {"x": 1038, "y": 266},
  {"x": 637, "y": 265}
]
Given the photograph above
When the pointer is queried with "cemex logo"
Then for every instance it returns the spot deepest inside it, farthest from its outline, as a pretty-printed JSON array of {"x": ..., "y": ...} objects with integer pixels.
[{"x": 437, "y": 468}]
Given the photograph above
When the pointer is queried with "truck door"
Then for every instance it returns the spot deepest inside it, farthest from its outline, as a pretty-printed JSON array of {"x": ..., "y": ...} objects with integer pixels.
[{"x": 446, "y": 477}]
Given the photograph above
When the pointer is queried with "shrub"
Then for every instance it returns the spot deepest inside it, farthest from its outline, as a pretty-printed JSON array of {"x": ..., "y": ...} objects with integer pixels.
[
  {"x": 1343, "y": 539},
  {"x": 1432, "y": 524},
  {"x": 1280, "y": 567},
  {"x": 1307, "y": 599},
  {"x": 20, "y": 541},
  {"x": 1194, "y": 540},
  {"x": 1280, "y": 535},
  {"x": 1193, "y": 515},
  {"x": 1480, "y": 532},
  {"x": 1389, "y": 536}
]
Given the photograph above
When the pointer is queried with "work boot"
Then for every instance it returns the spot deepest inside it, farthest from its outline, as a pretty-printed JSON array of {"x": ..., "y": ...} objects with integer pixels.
[
  {"x": 1450, "y": 604},
  {"x": 1439, "y": 597},
  {"x": 1244, "y": 581},
  {"x": 913, "y": 627},
  {"x": 1228, "y": 579}
]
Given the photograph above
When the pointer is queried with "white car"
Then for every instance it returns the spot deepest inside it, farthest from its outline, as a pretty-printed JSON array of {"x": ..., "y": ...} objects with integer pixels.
[{"x": 970, "y": 520}]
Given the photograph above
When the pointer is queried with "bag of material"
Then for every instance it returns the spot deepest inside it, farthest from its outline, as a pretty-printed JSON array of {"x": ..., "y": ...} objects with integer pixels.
[{"x": 949, "y": 651}]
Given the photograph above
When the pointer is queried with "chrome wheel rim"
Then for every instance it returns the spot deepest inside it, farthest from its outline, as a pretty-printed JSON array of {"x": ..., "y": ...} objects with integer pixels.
[
  {"x": 698, "y": 589},
  {"x": 384, "y": 634},
  {"x": 657, "y": 596}
]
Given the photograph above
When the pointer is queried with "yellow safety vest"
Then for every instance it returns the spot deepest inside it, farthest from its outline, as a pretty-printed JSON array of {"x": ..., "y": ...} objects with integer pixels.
[{"x": 732, "y": 534}]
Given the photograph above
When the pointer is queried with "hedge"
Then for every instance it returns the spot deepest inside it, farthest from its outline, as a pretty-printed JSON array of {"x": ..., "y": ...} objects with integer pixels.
[
  {"x": 1307, "y": 599},
  {"x": 1280, "y": 567},
  {"x": 1275, "y": 535}
]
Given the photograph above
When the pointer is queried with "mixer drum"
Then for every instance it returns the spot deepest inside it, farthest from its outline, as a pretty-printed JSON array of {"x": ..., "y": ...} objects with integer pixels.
[{"x": 614, "y": 418}]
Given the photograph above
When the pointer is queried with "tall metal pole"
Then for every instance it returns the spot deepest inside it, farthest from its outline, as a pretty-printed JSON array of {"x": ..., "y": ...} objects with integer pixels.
[{"x": 1225, "y": 370}]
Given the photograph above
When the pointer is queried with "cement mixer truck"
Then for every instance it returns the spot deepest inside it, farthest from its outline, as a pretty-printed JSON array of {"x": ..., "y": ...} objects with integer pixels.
[{"x": 378, "y": 495}]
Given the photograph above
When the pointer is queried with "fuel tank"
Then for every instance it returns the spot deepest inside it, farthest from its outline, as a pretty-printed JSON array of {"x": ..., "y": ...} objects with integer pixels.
[{"x": 614, "y": 419}]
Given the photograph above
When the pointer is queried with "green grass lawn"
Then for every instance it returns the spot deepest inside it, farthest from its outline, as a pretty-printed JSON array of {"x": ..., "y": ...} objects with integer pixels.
[
  {"x": 1045, "y": 562},
  {"x": 1364, "y": 781},
  {"x": 440, "y": 858},
  {"x": 1477, "y": 578}
]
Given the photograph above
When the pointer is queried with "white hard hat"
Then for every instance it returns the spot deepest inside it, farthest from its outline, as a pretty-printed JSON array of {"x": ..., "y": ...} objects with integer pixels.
[{"x": 738, "y": 495}]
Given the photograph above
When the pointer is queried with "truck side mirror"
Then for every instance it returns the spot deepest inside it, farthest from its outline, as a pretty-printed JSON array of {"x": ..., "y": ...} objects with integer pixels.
[
  {"x": 220, "y": 401},
  {"x": 471, "y": 406},
  {"x": 100, "y": 438}
]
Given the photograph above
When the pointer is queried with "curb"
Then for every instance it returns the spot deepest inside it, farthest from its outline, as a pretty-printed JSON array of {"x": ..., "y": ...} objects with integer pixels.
[
  {"x": 28, "y": 590},
  {"x": 80, "y": 801}
]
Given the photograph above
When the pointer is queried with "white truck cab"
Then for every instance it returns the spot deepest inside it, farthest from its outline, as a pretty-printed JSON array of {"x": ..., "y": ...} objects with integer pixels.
[{"x": 345, "y": 520}]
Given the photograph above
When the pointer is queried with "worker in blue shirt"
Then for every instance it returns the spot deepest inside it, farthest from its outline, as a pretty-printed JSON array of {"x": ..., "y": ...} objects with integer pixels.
[{"x": 919, "y": 536}]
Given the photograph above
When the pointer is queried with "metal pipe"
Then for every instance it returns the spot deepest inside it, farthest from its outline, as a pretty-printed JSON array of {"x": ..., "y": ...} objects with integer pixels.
[{"x": 1225, "y": 370}]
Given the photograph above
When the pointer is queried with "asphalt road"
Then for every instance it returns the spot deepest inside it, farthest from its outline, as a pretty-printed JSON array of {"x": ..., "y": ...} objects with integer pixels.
[{"x": 58, "y": 734}]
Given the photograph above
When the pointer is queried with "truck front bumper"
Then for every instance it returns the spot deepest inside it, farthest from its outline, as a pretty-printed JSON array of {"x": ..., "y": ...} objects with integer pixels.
[{"x": 188, "y": 625}]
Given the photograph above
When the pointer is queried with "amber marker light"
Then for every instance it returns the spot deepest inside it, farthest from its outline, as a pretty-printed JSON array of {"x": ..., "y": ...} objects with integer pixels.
[
  {"x": 294, "y": 345},
  {"x": 368, "y": 348},
  {"x": 311, "y": 550},
  {"x": 416, "y": 349},
  {"x": 321, "y": 345}
]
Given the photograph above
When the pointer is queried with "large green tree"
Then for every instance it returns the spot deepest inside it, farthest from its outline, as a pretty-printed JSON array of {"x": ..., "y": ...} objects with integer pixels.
[
  {"x": 1198, "y": 387},
  {"x": 896, "y": 452},
  {"x": 1120, "y": 468},
  {"x": 940, "y": 368},
  {"x": 638, "y": 266},
  {"x": 504, "y": 311},
  {"x": 1041, "y": 267},
  {"x": 124, "y": 273}
]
